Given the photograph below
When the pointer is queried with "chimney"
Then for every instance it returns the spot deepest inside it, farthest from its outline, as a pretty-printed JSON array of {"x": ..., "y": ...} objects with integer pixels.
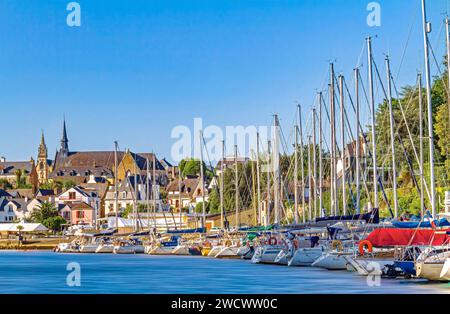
[{"x": 92, "y": 179}]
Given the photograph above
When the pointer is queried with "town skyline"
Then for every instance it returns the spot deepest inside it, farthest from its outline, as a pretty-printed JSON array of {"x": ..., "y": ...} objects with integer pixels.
[{"x": 153, "y": 77}]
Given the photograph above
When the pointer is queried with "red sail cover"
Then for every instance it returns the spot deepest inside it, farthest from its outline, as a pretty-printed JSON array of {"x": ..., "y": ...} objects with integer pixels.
[{"x": 404, "y": 237}]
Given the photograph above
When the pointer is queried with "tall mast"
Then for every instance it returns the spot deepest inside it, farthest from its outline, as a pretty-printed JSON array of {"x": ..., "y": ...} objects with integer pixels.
[
  {"x": 426, "y": 30},
  {"x": 180, "y": 205},
  {"x": 447, "y": 38},
  {"x": 314, "y": 161},
  {"x": 391, "y": 122},
  {"x": 254, "y": 199},
  {"x": 334, "y": 205},
  {"x": 309, "y": 179},
  {"x": 320, "y": 156},
  {"x": 296, "y": 175},
  {"x": 276, "y": 171},
  {"x": 202, "y": 181},
  {"x": 154, "y": 190},
  {"x": 422, "y": 179},
  {"x": 374, "y": 140},
  {"x": 135, "y": 209},
  {"x": 343, "y": 177},
  {"x": 268, "y": 184},
  {"x": 258, "y": 179},
  {"x": 236, "y": 187},
  {"x": 116, "y": 190},
  {"x": 222, "y": 179},
  {"x": 358, "y": 141},
  {"x": 147, "y": 193},
  {"x": 302, "y": 162}
]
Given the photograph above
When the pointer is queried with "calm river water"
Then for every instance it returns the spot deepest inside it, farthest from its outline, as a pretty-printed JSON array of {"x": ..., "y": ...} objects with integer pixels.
[{"x": 45, "y": 272}]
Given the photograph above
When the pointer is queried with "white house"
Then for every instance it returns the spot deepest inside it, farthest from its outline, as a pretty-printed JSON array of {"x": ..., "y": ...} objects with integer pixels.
[
  {"x": 6, "y": 212},
  {"x": 126, "y": 195}
]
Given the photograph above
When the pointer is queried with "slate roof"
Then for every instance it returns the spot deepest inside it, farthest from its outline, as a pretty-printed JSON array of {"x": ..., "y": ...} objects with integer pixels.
[
  {"x": 3, "y": 193},
  {"x": 42, "y": 192},
  {"x": 188, "y": 186},
  {"x": 9, "y": 167},
  {"x": 229, "y": 162}
]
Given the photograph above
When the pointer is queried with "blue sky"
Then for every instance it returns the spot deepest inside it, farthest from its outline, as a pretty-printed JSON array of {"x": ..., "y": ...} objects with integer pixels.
[{"x": 136, "y": 69}]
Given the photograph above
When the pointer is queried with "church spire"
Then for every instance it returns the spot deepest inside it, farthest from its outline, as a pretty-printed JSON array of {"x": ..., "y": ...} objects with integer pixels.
[
  {"x": 42, "y": 148},
  {"x": 42, "y": 138},
  {"x": 64, "y": 140}
]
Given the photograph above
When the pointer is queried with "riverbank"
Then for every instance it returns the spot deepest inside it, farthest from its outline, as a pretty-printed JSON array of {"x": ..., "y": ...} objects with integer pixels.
[{"x": 31, "y": 244}]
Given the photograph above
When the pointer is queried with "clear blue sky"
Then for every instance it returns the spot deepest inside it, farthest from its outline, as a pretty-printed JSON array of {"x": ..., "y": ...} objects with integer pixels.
[{"x": 135, "y": 69}]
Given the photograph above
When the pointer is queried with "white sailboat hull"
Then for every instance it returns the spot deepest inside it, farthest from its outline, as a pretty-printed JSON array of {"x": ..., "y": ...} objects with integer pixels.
[
  {"x": 126, "y": 249},
  {"x": 228, "y": 252},
  {"x": 215, "y": 249},
  {"x": 105, "y": 248},
  {"x": 366, "y": 266},
  {"x": 162, "y": 250},
  {"x": 430, "y": 271},
  {"x": 266, "y": 254},
  {"x": 331, "y": 261},
  {"x": 181, "y": 250},
  {"x": 283, "y": 257},
  {"x": 88, "y": 248},
  {"x": 305, "y": 256},
  {"x": 243, "y": 250}
]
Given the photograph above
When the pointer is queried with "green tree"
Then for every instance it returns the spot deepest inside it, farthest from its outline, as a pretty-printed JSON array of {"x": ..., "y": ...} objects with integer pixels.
[
  {"x": 54, "y": 223},
  {"x": 44, "y": 211}
]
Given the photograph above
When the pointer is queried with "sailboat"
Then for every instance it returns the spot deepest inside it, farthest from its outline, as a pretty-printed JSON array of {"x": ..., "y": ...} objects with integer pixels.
[{"x": 430, "y": 265}]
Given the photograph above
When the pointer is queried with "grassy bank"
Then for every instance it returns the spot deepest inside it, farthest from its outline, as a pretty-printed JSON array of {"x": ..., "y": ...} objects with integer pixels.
[{"x": 31, "y": 244}]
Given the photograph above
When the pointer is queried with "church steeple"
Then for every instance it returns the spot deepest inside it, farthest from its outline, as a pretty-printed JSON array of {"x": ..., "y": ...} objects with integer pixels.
[
  {"x": 64, "y": 141},
  {"x": 42, "y": 148},
  {"x": 42, "y": 167}
]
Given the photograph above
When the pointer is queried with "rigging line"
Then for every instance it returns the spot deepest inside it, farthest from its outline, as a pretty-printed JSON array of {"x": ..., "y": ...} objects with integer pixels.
[
  {"x": 370, "y": 154},
  {"x": 364, "y": 93},
  {"x": 411, "y": 169},
  {"x": 339, "y": 153},
  {"x": 410, "y": 136},
  {"x": 413, "y": 22},
  {"x": 440, "y": 72}
]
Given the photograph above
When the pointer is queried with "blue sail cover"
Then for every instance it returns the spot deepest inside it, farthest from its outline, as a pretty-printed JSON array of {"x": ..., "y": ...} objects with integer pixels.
[
  {"x": 371, "y": 217},
  {"x": 420, "y": 224},
  {"x": 180, "y": 231}
]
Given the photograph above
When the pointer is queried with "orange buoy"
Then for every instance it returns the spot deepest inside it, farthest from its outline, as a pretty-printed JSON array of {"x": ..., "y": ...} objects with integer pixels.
[
  {"x": 365, "y": 245},
  {"x": 273, "y": 241}
]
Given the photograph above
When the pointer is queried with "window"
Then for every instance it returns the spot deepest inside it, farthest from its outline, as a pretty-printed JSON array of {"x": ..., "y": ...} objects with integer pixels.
[
  {"x": 124, "y": 195},
  {"x": 80, "y": 214},
  {"x": 72, "y": 195}
]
